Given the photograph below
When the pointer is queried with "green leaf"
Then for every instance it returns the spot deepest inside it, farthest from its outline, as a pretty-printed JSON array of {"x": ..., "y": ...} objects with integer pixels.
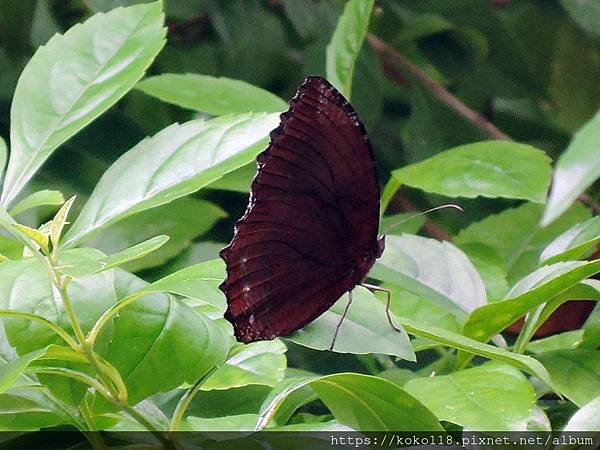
[
  {"x": 346, "y": 42},
  {"x": 256, "y": 363},
  {"x": 420, "y": 309},
  {"x": 13, "y": 370},
  {"x": 586, "y": 419},
  {"x": 132, "y": 253},
  {"x": 573, "y": 243},
  {"x": 488, "y": 169},
  {"x": 107, "y": 5},
  {"x": 468, "y": 345},
  {"x": 182, "y": 220},
  {"x": 568, "y": 340},
  {"x": 59, "y": 221},
  {"x": 39, "y": 198},
  {"x": 212, "y": 95},
  {"x": 159, "y": 343},
  {"x": 489, "y": 397},
  {"x": 516, "y": 237},
  {"x": 30, "y": 408},
  {"x": 491, "y": 268},
  {"x": 36, "y": 236},
  {"x": 586, "y": 13},
  {"x": 25, "y": 287},
  {"x": 591, "y": 328},
  {"x": 576, "y": 169},
  {"x": 437, "y": 271},
  {"x": 362, "y": 402},
  {"x": 576, "y": 373},
  {"x": 365, "y": 329},
  {"x": 73, "y": 79},
  {"x": 9, "y": 373},
  {"x": 200, "y": 281},
  {"x": 535, "y": 289},
  {"x": 236, "y": 423},
  {"x": 238, "y": 180},
  {"x": 177, "y": 161}
]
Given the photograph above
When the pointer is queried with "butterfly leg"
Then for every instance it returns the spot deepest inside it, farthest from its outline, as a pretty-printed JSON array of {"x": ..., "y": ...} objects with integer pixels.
[
  {"x": 388, "y": 295},
  {"x": 337, "y": 328}
]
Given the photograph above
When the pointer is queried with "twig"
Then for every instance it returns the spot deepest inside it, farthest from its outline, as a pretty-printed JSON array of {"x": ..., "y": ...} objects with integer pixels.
[
  {"x": 186, "y": 25},
  {"x": 386, "y": 52},
  {"x": 387, "y": 55}
]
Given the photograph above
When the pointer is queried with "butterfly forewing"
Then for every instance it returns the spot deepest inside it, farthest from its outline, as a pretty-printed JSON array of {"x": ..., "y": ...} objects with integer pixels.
[{"x": 310, "y": 231}]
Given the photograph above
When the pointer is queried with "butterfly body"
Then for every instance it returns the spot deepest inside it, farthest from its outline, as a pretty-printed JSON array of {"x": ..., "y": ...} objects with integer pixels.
[{"x": 309, "y": 234}]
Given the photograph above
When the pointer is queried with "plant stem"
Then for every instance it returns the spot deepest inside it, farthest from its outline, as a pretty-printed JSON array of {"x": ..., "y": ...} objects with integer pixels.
[
  {"x": 91, "y": 434},
  {"x": 440, "y": 92},
  {"x": 165, "y": 441},
  {"x": 79, "y": 376},
  {"x": 62, "y": 288},
  {"x": 185, "y": 401},
  {"x": 110, "y": 313}
]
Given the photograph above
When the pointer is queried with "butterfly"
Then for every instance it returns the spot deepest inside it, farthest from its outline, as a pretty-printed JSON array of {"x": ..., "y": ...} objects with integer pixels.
[{"x": 309, "y": 233}]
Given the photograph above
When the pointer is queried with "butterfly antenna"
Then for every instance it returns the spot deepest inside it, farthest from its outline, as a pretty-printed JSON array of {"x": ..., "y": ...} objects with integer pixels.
[
  {"x": 422, "y": 213},
  {"x": 337, "y": 328}
]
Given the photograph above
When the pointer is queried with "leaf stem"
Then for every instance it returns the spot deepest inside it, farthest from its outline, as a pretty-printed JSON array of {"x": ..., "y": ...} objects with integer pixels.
[
  {"x": 185, "y": 401},
  {"x": 165, "y": 441},
  {"x": 79, "y": 376},
  {"x": 110, "y": 313}
]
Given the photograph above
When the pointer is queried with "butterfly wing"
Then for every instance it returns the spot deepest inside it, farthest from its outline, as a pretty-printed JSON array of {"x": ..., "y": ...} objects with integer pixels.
[{"x": 310, "y": 231}]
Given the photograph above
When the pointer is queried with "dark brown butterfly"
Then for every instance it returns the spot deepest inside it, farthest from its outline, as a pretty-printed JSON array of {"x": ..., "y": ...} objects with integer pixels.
[{"x": 309, "y": 233}]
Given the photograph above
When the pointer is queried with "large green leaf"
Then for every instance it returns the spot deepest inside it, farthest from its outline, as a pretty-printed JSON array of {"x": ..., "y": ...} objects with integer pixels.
[
  {"x": 200, "y": 281},
  {"x": 30, "y": 408},
  {"x": 346, "y": 42},
  {"x": 73, "y": 79},
  {"x": 256, "y": 363},
  {"x": 488, "y": 169},
  {"x": 235, "y": 423},
  {"x": 420, "y": 309},
  {"x": 213, "y": 95},
  {"x": 577, "y": 168},
  {"x": 573, "y": 243},
  {"x": 516, "y": 236},
  {"x": 365, "y": 329},
  {"x": 587, "y": 418},
  {"x": 40, "y": 198},
  {"x": 575, "y": 372},
  {"x": 177, "y": 161},
  {"x": 362, "y": 402},
  {"x": 25, "y": 287},
  {"x": 473, "y": 347},
  {"x": 182, "y": 220},
  {"x": 491, "y": 397},
  {"x": 159, "y": 343},
  {"x": 535, "y": 289},
  {"x": 434, "y": 270}
]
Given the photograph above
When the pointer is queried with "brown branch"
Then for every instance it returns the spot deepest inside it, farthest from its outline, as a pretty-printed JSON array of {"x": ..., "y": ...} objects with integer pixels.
[
  {"x": 186, "y": 25},
  {"x": 388, "y": 53}
]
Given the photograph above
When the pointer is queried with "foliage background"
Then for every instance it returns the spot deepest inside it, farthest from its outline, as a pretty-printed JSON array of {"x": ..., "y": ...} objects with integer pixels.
[{"x": 531, "y": 68}]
